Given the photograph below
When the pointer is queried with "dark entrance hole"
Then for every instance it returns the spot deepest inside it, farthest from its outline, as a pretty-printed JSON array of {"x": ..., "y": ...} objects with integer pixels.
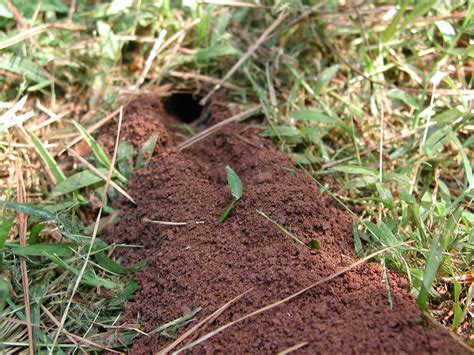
[{"x": 184, "y": 106}]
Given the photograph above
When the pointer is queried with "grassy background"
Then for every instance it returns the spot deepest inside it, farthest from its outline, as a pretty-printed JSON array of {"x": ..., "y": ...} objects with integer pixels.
[{"x": 376, "y": 95}]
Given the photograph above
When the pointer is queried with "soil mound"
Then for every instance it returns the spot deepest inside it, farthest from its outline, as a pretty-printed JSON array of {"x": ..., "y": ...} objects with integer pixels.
[
  {"x": 143, "y": 117},
  {"x": 206, "y": 264}
]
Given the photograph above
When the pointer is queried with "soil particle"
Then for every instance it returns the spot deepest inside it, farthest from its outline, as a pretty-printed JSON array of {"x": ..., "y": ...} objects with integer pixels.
[{"x": 207, "y": 264}]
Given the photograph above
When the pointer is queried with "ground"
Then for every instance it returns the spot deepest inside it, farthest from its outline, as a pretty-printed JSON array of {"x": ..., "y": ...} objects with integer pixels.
[{"x": 347, "y": 125}]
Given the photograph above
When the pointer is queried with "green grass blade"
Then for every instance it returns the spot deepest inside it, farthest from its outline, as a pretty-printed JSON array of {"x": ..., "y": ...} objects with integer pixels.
[
  {"x": 127, "y": 292},
  {"x": 47, "y": 158},
  {"x": 313, "y": 116},
  {"x": 5, "y": 228},
  {"x": 420, "y": 9},
  {"x": 465, "y": 161},
  {"x": 30, "y": 210},
  {"x": 115, "y": 267},
  {"x": 431, "y": 269},
  {"x": 353, "y": 169},
  {"x": 97, "y": 150},
  {"x": 63, "y": 250},
  {"x": 391, "y": 29},
  {"x": 87, "y": 278}
]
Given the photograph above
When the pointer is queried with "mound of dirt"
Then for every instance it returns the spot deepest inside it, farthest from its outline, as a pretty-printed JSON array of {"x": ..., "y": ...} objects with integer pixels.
[
  {"x": 143, "y": 117},
  {"x": 206, "y": 263}
]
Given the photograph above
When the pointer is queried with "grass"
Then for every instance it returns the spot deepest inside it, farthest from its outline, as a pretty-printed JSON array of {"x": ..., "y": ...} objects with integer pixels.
[{"x": 377, "y": 96}]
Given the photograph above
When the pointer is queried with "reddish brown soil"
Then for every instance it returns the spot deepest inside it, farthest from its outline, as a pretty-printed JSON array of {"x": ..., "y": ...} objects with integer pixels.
[
  {"x": 144, "y": 116},
  {"x": 205, "y": 265}
]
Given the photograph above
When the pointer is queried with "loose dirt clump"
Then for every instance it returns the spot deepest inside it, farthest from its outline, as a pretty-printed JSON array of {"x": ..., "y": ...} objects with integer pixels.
[
  {"x": 145, "y": 116},
  {"x": 206, "y": 263}
]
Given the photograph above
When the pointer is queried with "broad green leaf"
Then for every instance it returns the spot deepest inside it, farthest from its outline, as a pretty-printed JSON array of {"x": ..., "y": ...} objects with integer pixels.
[
  {"x": 47, "y": 158},
  {"x": 77, "y": 181},
  {"x": 353, "y": 169},
  {"x": 146, "y": 152},
  {"x": 5, "y": 228},
  {"x": 406, "y": 98},
  {"x": 63, "y": 250},
  {"x": 116, "y": 268},
  {"x": 314, "y": 244},
  {"x": 234, "y": 182},
  {"x": 431, "y": 269}
]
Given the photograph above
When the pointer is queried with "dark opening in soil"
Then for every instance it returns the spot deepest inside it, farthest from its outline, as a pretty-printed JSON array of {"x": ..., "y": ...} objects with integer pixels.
[{"x": 184, "y": 106}]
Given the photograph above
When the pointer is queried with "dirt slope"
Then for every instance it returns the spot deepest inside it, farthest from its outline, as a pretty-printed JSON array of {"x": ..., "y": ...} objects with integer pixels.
[{"x": 207, "y": 264}]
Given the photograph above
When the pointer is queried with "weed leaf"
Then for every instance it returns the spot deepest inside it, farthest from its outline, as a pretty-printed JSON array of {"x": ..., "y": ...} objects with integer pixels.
[
  {"x": 146, "y": 152},
  {"x": 234, "y": 182},
  {"x": 314, "y": 244},
  {"x": 47, "y": 158}
]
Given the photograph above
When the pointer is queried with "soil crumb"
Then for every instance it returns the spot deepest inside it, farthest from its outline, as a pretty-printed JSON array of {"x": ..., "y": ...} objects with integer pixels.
[{"x": 206, "y": 263}]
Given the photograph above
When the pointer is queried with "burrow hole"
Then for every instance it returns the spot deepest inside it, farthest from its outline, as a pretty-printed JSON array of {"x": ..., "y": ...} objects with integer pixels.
[{"x": 184, "y": 106}]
